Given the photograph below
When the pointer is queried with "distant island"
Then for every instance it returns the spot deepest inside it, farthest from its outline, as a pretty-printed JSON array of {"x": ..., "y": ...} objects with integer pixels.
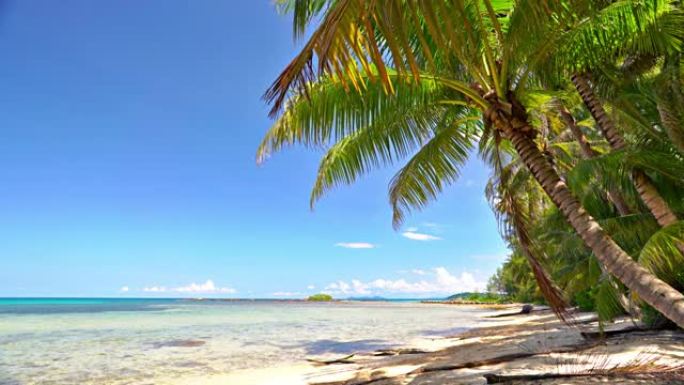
[{"x": 320, "y": 298}]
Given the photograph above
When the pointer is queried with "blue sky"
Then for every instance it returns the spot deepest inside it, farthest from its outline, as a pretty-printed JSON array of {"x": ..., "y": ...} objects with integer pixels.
[{"x": 127, "y": 142}]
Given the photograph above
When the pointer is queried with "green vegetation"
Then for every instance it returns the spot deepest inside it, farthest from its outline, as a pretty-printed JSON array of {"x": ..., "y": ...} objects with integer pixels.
[
  {"x": 576, "y": 106},
  {"x": 320, "y": 297},
  {"x": 484, "y": 298}
]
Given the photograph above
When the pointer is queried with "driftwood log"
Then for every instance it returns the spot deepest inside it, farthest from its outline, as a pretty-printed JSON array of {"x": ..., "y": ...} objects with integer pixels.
[
  {"x": 396, "y": 352},
  {"x": 341, "y": 360},
  {"x": 608, "y": 378}
]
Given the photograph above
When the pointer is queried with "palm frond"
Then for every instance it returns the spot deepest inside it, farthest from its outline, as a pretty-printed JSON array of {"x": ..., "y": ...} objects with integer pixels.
[
  {"x": 303, "y": 11},
  {"x": 505, "y": 192},
  {"x": 588, "y": 35},
  {"x": 397, "y": 135},
  {"x": 358, "y": 37},
  {"x": 329, "y": 112},
  {"x": 662, "y": 253},
  {"x": 436, "y": 165},
  {"x": 607, "y": 298},
  {"x": 670, "y": 101}
]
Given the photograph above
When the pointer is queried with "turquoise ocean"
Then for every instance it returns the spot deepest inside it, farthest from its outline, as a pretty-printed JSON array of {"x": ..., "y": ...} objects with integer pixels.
[{"x": 158, "y": 341}]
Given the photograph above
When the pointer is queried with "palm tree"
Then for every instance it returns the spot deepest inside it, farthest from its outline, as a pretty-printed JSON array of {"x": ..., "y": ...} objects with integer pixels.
[
  {"x": 640, "y": 59},
  {"x": 640, "y": 36},
  {"x": 643, "y": 183},
  {"x": 670, "y": 100},
  {"x": 456, "y": 68},
  {"x": 598, "y": 37},
  {"x": 614, "y": 195}
]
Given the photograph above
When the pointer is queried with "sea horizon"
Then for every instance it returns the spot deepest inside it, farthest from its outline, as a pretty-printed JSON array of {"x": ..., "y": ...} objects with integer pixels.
[{"x": 200, "y": 298}]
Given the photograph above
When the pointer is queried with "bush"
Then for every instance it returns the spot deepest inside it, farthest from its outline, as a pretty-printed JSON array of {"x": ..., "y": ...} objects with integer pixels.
[
  {"x": 320, "y": 297},
  {"x": 585, "y": 300},
  {"x": 483, "y": 298},
  {"x": 486, "y": 298}
]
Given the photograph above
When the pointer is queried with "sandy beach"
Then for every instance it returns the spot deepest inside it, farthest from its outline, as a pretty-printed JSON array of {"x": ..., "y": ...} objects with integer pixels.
[{"x": 514, "y": 349}]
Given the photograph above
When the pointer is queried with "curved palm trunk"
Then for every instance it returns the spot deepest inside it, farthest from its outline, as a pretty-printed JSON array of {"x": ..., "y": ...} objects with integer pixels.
[
  {"x": 585, "y": 147},
  {"x": 614, "y": 194},
  {"x": 668, "y": 111},
  {"x": 651, "y": 197},
  {"x": 644, "y": 185},
  {"x": 654, "y": 291},
  {"x": 670, "y": 101}
]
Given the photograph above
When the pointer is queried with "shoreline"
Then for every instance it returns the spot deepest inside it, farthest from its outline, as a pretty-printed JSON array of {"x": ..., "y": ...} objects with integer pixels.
[{"x": 511, "y": 349}]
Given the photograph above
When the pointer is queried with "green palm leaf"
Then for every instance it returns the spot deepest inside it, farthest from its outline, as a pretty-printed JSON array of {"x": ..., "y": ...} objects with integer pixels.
[
  {"x": 662, "y": 253},
  {"x": 436, "y": 165}
]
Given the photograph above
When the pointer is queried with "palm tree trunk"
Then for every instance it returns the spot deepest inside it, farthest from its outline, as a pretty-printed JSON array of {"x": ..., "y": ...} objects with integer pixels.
[
  {"x": 585, "y": 147},
  {"x": 669, "y": 118},
  {"x": 614, "y": 194},
  {"x": 651, "y": 197},
  {"x": 654, "y": 291},
  {"x": 644, "y": 185},
  {"x": 670, "y": 100}
]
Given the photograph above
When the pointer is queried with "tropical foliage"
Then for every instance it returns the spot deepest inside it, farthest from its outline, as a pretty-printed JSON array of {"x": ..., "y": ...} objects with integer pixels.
[
  {"x": 478, "y": 298},
  {"x": 320, "y": 297},
  {"x": 576, "y": 106}
]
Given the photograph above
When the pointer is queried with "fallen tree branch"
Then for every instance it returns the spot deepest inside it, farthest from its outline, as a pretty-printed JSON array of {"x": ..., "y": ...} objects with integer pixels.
[
  {"x": 503, "y": 378},
  {"x": 397, "y": 352},
  {"x": 341, "y": 360}
]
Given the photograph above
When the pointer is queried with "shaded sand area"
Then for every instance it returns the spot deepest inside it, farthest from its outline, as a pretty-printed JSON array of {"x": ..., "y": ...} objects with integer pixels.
[{"x": 514, "y": 349}]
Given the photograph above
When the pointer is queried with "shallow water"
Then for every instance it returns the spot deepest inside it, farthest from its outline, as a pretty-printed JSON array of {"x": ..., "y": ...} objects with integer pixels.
[{"x": 155, "y": 341}]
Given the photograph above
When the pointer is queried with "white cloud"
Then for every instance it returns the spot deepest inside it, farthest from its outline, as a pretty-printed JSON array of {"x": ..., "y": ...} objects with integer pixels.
[
  {"x": 207, "y": 287},
  {"x": 418, "y": 271},
  {"x": 360, "y": 288},
  {"x": 340, "y": 286},
  {"x": 310, "y": 287},
  {"x": 124, "y": 289},
  {"x": 412, "y": 235},
  {"x": 437, "y": 281},
  {"x": 355, "y": 245}
]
